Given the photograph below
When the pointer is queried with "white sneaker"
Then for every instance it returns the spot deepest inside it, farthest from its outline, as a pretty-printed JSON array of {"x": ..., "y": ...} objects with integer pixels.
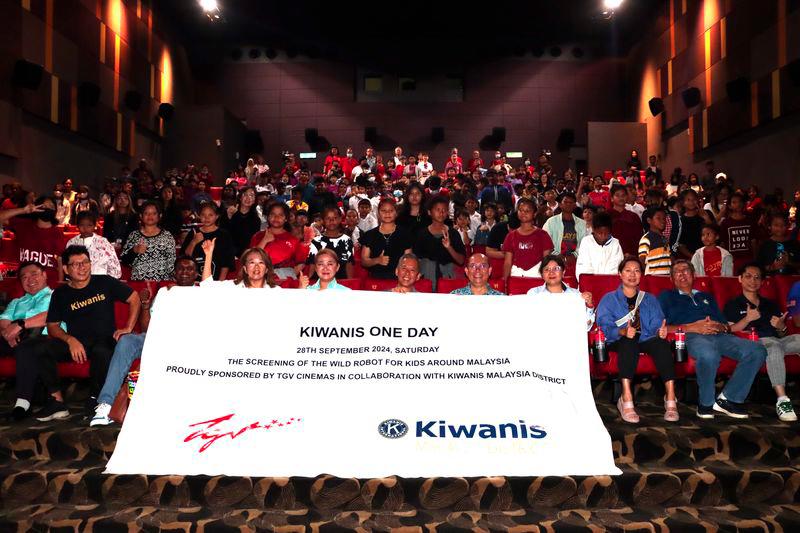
[
  {"x": 101, "y": 415},
  {"x": 786, "y": 411}
]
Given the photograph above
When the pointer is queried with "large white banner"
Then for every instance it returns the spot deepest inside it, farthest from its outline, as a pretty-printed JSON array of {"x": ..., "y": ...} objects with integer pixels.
[{"x": 363, "y": 384}]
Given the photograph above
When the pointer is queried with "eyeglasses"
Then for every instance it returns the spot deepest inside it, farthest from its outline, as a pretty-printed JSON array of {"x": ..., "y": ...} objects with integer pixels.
[
  {"x": 78, "y": 264},
  {"x": 553, "y": 269},
  {"x": 478, "y": 266}
]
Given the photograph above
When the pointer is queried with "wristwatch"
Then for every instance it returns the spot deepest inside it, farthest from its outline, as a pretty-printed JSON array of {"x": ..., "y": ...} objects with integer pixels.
[{"x": 20, "y": 322}]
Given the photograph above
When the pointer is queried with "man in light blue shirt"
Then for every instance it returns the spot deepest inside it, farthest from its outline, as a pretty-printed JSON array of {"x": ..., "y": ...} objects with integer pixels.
[
  {"x": 478, "y": 274},
  {"x": 22, "y": 326}
]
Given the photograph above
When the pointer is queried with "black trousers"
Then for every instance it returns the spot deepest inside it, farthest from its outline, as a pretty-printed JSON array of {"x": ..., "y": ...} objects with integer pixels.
[
  {"x": 27, "y": 353},
  {"x": 628, "y": 356},
  {"x": 98, "y": 351}
]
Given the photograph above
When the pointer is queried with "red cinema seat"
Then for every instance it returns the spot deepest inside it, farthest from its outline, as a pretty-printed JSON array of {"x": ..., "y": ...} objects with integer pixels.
[
  {"x": 8, "y": 366},
  {"x": 215, "y": 193},
  {"x": 287, "y": 283},
  {"x": 497, "y": 268},
  {"x": 599, "y": 285},
  {"x": 523, "y": 285},
  {"x": 704, "y": 284},
  {"x": 12, "y": 288},
  {"x": 9, "y": 251},
  {"x": 382, "y": 285},
  {"x": 725, "y": 289},
  {"x": 70, "y": 369},
  {"x": 655, "y": 285},
  {"x": 353, "y": 283},
  {"x": 769, "y": 289}
]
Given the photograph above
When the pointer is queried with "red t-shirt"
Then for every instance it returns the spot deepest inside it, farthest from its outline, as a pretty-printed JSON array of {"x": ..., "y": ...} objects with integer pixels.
[
  {"x": 43, "y": 245},
  {"x": 284, "y": 251},
  {"x": 627, "y": 228},
  {"x": 600, "y": 199},
  {"x": 528, "y": 250},
  {"x": 348, "y": 165},
  {"x": 712, "y": 262}
]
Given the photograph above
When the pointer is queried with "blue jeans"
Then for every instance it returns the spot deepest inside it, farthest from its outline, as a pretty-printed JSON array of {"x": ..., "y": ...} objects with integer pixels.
[
  {"x": 707, "y": 351},
  {"x": 128, "y": 349}
]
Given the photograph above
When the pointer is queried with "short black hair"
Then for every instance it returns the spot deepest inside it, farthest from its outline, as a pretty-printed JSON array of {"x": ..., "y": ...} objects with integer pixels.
[
  {"x": 618, "y": 187},
  {"x": 552, "y": 258},
  {"x": 752, "y": 264},
  {"x": 601, "y": 220},
  {"x": 569, "y": 195},
  {"x": 438, "y": 199},
  {"x": 26, "y": 264},
  {"x": 86, "y": 215},
  {"x": 184, "y": 257},
  {"x": 73, "y": 250}
]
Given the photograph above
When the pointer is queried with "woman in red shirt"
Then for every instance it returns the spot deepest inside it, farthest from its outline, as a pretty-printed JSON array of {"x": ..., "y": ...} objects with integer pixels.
[
  {"x": 284, "y": 249},
  {"x": 332, "y": 156},
  {"x": 526, "y": 246}
]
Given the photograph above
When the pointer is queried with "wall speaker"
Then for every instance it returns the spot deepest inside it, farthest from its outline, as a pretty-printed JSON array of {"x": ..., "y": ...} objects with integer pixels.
[
  {"x": 133, "y": 100},
  {"x": 691, "y": 97},
  {"x": 499, "y": 134},
  {"x": 738, "y": 90},
  {"x": 656, "y": 106},
  {"x": 27, "y": 75},
  {"x": 88, "y": 94},
  {"x": 166, "y": 111},
  {"x": 437, "y": 134}
]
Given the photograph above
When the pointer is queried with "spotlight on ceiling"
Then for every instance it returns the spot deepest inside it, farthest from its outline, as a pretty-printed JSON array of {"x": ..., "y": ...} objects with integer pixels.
[
  {"x": 610, "y": 6},
  {"x": 210, "y": 8}
]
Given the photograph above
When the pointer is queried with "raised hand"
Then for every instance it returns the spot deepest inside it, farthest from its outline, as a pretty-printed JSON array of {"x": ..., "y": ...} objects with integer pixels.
[
  {"x": 779, "y": 322},
  {"x": 140, "y": 248},
  {"x": 208, "y": 246},
  {"x": 302, "y": 281},
  {"x": 446, "y": 238},
  {"x": 753, "y": 314},
  {"x": 662, "y": 331}
]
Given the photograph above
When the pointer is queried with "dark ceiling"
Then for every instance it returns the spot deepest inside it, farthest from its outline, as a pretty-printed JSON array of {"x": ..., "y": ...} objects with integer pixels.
[{"x": 413, "y": 33}]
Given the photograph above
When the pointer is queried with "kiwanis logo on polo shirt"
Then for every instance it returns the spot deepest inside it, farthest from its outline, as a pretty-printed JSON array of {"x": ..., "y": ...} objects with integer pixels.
[{"x": 87, "y": 302}]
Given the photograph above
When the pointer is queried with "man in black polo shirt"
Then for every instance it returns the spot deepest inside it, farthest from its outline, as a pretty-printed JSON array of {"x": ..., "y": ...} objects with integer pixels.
[
  {"x": 750, "y": 311},
  {"x": 86, "y": 305}
]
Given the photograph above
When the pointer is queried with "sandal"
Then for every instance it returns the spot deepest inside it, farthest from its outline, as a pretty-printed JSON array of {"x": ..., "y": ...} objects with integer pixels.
[
  {"x": 627, "y": 412},
  {"x": 671, "y": 410}
]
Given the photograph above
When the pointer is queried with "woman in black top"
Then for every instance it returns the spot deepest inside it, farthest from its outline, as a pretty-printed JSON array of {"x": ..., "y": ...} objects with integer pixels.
[
  {"x": 413, "y": 215},
  {"x": 633, "y": 161},
  {"x": 223, "y": 250},
  {"x": 242, "y": 221},
  {"x": 438, "y": 246},
  {"x": 121, "y": 222},
  {"x": 382, "y": 247},
  {"x": 170, "y": 211}
]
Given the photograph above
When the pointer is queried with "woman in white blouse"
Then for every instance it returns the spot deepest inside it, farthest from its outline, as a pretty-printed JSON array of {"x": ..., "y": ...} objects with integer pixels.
[{"x": 255, "y": 272}]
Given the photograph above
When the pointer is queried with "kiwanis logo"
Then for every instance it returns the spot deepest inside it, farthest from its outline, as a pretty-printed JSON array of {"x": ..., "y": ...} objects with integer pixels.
[{"x": 393, "y": 428}]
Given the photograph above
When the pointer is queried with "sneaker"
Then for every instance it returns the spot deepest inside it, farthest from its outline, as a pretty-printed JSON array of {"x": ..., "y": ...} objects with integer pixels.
[
  {"x": 100, "y": 417},
  {"x": 53, "y": 410},
  {"x": 729, "y": 408},
  {"x": 18, "y": 414},
  {"x": 705, "y": 411},
  {"x": 786, "y": 411}
]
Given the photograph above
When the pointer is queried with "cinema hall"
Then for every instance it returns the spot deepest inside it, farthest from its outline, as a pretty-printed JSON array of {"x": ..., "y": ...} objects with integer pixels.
[{"x": 618, "y": 178}]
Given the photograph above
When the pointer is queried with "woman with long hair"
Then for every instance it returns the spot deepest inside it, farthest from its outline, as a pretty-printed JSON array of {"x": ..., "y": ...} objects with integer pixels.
[
  {"x": 121, "y": 222},
  {"x": 223, "y": 260},
  {"x": 284, "y": 249},
  {"x": 242, "y": 220},
  {"x": 413, "y": 215},
  {"x": 382, "y": 247}
]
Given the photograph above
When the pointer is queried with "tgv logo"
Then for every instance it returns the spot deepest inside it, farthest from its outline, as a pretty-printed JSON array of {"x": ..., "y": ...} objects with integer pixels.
[{"x": 441, "y": 429}]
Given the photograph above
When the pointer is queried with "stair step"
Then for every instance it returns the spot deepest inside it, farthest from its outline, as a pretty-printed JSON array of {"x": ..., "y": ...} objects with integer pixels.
[
  {"x": 99, "y": 518},
  {"x": 78, "y": 483}
]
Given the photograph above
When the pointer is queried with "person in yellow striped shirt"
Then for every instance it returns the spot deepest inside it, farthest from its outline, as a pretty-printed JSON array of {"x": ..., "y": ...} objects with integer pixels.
[{"x": 654, "y": 249}]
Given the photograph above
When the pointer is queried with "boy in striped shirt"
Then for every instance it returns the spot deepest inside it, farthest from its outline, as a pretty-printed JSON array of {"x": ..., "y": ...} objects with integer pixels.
[{"x": 654, "y": 249}]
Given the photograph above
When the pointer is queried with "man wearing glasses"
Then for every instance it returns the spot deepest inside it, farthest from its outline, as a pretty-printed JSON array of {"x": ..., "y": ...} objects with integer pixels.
[
  {"x": 748, "y": 312},
  {"x": 86, "y": 305},
  {"x": 708, "y": 338},
  {"x": 478, "y": 273}
]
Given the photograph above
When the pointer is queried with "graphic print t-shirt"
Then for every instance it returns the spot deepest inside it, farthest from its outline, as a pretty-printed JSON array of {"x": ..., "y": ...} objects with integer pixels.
[{"x": 88, "y": 312}]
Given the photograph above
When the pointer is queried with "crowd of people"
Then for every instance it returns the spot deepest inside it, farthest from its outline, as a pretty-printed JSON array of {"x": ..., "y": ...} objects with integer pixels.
[{"x": 402, "y": 218}]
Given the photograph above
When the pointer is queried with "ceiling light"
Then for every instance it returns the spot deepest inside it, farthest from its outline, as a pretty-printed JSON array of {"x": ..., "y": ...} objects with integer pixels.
[
  {"x": 209, "y": 5},
  {"x": 612, "y": 4}
]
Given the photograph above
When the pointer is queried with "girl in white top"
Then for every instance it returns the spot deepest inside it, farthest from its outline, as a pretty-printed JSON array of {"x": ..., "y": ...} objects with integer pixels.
[
  {"x": 101, "y": 252},
  {"x": 255, "y": 271}
]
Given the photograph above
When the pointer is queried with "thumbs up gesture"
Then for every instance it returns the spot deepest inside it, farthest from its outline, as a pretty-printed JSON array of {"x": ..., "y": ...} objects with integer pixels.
[
  {"x": 662, "y": 331},
  {"x": 630, "y": 331},
  {"x": 383, "y": 259}
]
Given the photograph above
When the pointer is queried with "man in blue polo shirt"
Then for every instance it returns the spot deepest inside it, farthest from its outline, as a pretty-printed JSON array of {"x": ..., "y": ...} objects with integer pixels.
[{"x": 708, "y": 338}]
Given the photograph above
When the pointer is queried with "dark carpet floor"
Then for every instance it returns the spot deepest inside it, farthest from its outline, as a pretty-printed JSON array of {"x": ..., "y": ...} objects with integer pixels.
[{"x": 696, "y": 475}]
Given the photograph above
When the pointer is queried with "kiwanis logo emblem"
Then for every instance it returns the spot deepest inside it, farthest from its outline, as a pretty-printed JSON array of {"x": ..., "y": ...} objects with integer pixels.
[{"x": 393, "y": 428}]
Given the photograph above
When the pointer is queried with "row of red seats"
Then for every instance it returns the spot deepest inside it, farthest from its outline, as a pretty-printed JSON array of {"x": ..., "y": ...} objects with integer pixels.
[{"x": 723, "y": 289}]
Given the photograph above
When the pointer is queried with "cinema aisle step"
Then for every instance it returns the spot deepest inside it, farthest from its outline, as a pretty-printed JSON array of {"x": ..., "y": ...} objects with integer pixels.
[
  {"x": 79, "y": 483},
  {"x": 52, "y": 518}
]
